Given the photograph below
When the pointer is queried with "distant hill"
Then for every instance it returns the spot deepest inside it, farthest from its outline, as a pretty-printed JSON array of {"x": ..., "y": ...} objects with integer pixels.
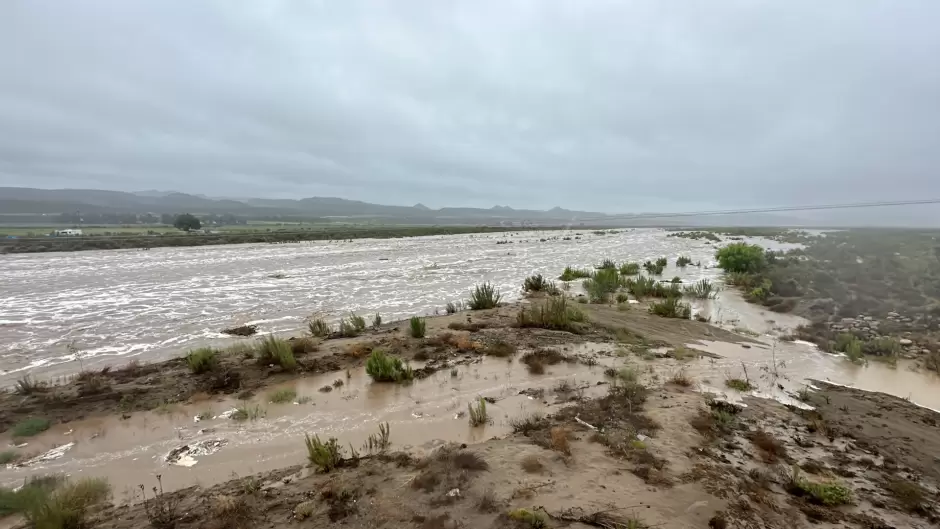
[{"x": 38, "y": 203}]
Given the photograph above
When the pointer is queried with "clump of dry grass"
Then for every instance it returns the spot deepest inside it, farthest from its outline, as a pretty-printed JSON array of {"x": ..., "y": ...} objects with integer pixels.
[
  {"x": 772, "y": 448},
  {"x": 681, "y": 378},
  {"x": 532, "y": 464},
  {"x": 500, "y": 349},
  {"x": 559, "y": 440}
]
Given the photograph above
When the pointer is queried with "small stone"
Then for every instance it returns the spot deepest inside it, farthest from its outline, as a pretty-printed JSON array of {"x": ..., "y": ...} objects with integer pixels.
[{"x": 905, "y": 342}]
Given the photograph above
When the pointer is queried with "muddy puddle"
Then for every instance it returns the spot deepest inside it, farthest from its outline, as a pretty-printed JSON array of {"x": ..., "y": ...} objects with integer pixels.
[{"x": 421, "y": 415}]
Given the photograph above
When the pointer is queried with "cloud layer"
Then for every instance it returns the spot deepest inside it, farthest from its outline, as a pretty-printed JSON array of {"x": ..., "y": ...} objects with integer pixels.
[{"x": 601, "y": 105}]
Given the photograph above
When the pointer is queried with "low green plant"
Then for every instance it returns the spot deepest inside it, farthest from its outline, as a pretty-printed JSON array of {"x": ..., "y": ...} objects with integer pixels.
[
  {"x": 63, "y": 506},
  {"x": 8, "y": 456},
  {"x": 282, "y": 395},
  {"x": 537, "y": 283},
  {"x": 248, "y": 413},
  {"x": 570, "y": 274},
  {"x": 653, "y": 268},
  {"x": 484, "y": 296},
  {"x": 319, "y": 328},
  {"x": 602, "y": 284},
  {"x": 418, "y": 327},
  {"x": 683, "y": 261},
  {"x": 376, "y": 321},
  {"x": 622, "y": 298},
  {"x": 701, "y": 289},
  {"x": 629, "y": 269},
  {"x": 202, "y": 360},
  {"x": 30, "y": 427},
  {"x": 533, "y": 519},
  {"x": 671, "y": 307},
  {"x": 378, "y": 443},
  {"x": 739, "y": 384},
  {"x": 641, "y": 286},
  {"x": 274, "y": 350},
  {"x": 451, "y": 308},
  {"x": 326, "y": 456},
  {"x": 386, "y": 368},
  {"x": 662, "y": 262},
  {"x": 607, "y": 264},
  {"x": 478, "y": 416},
  {"x": 741, "y": 257},
  {"x": 352, "y": 326},
  {"x": 556, "y": 313},
  {"x": 830, "y": 493}
]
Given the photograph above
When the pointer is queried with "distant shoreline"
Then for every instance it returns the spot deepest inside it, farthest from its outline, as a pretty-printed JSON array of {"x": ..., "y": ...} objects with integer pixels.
[{"x": 122, "y": 242}]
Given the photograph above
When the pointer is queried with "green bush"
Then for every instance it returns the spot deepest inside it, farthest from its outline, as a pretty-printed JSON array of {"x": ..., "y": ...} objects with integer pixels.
[
  {"x": 282, "y": 395},
  {"x": 653, "y": 268},
  {"x": 607, "y": 264},
  {"x": 556, "y": 313},
  {"x": 702, "y": 289},
  {"x": 385, "y": 368},
  {"x": 418, "y": 327},
  {"x": 570, "y": 274},
  {"x": 352, "y": 326},
  {"x": 8, "y": 456},
  {"x": 741, "y": 257},
  {"x": 605, "y": 282},
  {"x": 830, "y": 494},
  {"x": 683, "y": 261},
  {"x": 30, "y": 427},
  {"x": 319, "y": 328},
  {"x": 484, "y": 296},
  {"x": 52, "y": 502},
  {"x": 537, "y": 283},
  {"x": 629, "y": 269},
  {"x": 377, "y": 321},
  {"x": 325, "y": 456},
  {"x": 273, "y": 350},
  {"x": 202, "y": 360},
  {"x": 671, "y": 307},
  {"x": 739, "y": 384},
  {"x": 662, "y": 262},
  {"x": 641, "y": 286}
]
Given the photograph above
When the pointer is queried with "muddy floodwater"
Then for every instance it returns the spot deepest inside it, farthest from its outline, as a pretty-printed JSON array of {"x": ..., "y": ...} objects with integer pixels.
[{"x": 109, "y": 306}]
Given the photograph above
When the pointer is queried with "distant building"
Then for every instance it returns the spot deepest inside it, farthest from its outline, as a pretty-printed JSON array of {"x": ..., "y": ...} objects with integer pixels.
[{"x": 68, "y": 233}]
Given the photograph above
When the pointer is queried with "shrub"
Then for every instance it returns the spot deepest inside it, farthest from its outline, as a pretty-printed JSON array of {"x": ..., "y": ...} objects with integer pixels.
[
  {"x": 418, "y": 327},
  {"x": 27, "y": 386},
  {"x": 653, "y": 268},
  {"x": 500, "y": 349},
  {"x": 385, "y": 368},
  {"x": 8, "y": 456},
  {"x": 671, "y": 307},
  {"x": 64, "y": 506},
  {"x": 622, "y": 298},
  {"x": 248, "y": 413},
  {"x": 282, "y": 395},
  {"x": 739, "y": 384},
  {"x": 681, "y": 378},
  {"x": 478, "y": 416},
  {"x": 683, "y": 261},
  {"x": 274, "y": 350},
  {"x": 376, "y": 321},
  {"x": 607, "y": 264},
  {"x": 556, "y": 314},
  {"x": 30, "y": 427},
  {"x": 662, "y": 262},
  {"x": 630, "y": 269},
  {"x": 826, "y": 493},
  {"x": 702, "y": 289},
  {"x": 570, "y": 274},
  {"x": 537, "y": 283},
  {"x": 319, "y": 328},
  {"x": 773, "y": 448},
  {"x": 325, "y": 456},
  {"x": 641, "y": 286},
  {"x": 532, "y": 519},
  {"x": 604, "y": 282},
  {"x": 882, "y": 346},
  {"x": 352, "y": 326},
  {"x": 450, "y": 308},
  {"x": 527, "y": 424},
  {"x": 741, "y": 257},
  {"x": 484, "y": 296},
  {"x": 202, "y": 360}
]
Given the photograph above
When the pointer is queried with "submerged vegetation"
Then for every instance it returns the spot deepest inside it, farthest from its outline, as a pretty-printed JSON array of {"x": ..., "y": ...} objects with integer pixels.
[
  {"x": 386, "y": 368},
  {"x": 570, "y": 274}
]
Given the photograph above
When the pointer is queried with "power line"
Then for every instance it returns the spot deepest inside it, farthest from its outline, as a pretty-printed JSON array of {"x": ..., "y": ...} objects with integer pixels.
[{"x": 639, "y": 216}]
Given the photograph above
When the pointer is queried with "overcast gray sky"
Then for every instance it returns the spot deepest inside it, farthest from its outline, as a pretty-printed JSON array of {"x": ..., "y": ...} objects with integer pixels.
[{"x": 598, "y": 105}]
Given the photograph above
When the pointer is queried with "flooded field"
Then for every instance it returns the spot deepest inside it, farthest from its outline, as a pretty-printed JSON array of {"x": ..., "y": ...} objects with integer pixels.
[{"x": 126, "y": 303}]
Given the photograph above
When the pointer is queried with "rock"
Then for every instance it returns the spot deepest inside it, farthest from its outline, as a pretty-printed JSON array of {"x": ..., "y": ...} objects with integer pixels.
[{"x": 905, "y": 342}]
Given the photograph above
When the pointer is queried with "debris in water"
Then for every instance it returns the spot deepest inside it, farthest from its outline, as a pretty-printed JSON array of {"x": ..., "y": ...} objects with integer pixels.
[
  {"x": 185, "y": 456},
  {"x": 241, "y": 330},
  {"x": 51, "y": 455},
  {"x": 227, "y": 414}
]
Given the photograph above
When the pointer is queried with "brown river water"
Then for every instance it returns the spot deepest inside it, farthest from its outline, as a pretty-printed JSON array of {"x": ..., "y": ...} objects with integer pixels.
[{"x": 143, "y": 300}]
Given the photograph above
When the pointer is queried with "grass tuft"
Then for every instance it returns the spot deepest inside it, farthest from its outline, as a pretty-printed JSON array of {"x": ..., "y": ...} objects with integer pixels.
[
  {"x": 537, "y": 283},
  {"x": 352, "y": 326},
  {"x": 282, "y": 395},
  {"x": 319, "y": 328},
  {"x": 326, "y": 456},
  {"x": 702, "y": 289},
  {"x": 27, "y": 386},
  {"x": 418, "y": 327},
  {"x": 478, "y": 416},
  {"x": 527, "y": 424},
  {"x": 484, "y": 296},
  {"x": 739, "y": 384},
  {"x": 30, "y": 427},
  {"x": 202, "y": 360},
  {"x": 629, "y": 269},
  {"x": 556, "y": 314},
  {"x": 386, "y": 368},
  {"x": 671, "y": 307},
  {"x": 273, "y": 350},
  {"x": 570, "y": 274},
  {"x": 683, "y": 261}
]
